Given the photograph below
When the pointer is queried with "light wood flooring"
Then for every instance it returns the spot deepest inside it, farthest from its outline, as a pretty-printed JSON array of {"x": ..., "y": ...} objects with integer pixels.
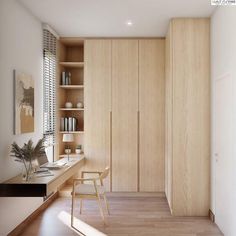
[{"x": 130, "y": 215}]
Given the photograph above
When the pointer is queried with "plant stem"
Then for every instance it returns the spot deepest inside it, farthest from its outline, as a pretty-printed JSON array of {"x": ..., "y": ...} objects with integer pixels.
[{"x": 25, "y": 169}]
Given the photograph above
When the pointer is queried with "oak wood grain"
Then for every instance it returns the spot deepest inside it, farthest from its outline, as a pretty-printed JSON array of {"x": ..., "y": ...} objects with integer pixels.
[
  {"x": 124, "y": 115},
  {"x": 189, "y": 145},
  {"x": 152, "y": 114},
  {"x": 97, "y": 104},
  {"x": 168, "y": 115},
  {"x": 129, "y": 215}
]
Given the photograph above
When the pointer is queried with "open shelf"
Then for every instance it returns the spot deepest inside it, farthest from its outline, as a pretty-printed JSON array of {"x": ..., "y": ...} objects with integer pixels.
[
  {"x": 72, "y": 86},
  {"x": 71, "y": 109},
  {"x": 72, "y": 64},
  {"x": 72, "y": 132}
]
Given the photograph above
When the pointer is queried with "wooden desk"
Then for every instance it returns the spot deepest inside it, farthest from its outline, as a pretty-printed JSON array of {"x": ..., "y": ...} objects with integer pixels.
[{"x": 41, "y": 186}]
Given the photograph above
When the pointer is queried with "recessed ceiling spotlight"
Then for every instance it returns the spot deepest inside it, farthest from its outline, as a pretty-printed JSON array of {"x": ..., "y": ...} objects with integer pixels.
[{"x": 129, "y": 23}]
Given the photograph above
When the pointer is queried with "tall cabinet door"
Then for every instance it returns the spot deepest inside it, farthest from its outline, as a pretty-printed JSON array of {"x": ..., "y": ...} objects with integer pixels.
[
  {"x": 152, "y": 114},
  {"x": 124, "y": 115},
  {"x": 191, "y": 116},
  {"x": 97, "y": 104}
]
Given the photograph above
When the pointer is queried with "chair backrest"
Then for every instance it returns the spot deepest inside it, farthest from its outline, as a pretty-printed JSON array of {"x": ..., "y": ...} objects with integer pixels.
[{"x": 105, "y": 173}]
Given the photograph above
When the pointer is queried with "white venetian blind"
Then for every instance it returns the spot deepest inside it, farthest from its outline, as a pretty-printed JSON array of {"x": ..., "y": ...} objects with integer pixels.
[{"x": 49, "y": 86}]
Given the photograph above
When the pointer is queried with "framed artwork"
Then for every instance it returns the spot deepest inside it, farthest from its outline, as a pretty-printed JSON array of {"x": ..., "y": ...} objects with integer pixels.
[{"x": 24, "y": 103}]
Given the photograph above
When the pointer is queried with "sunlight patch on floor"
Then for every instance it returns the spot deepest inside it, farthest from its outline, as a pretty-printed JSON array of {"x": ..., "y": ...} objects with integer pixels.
[{"x": 81, "y": 226}]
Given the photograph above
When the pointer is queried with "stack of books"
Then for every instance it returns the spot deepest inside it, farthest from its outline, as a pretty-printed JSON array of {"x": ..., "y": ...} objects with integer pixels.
[
  {"x": 65, "y": 78},
  {"x": 68, "y": 124}
]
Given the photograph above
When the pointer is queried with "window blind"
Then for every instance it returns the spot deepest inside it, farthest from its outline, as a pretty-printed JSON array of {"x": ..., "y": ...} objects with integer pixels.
[{"x": 49, "y": 86}]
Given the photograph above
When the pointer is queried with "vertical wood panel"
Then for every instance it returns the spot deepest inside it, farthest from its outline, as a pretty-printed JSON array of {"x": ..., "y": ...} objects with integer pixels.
[
  {"x": 97, "y": 104},
  {"x": 124, "y": 114},
  {"x": 168, "y": 117},
  {"x": 191, "y": 116},
  {"x": 152, "y": 114}
]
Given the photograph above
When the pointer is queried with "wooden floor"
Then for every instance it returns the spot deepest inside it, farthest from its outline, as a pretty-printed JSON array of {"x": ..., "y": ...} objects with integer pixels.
[{"x": 130, "y": 215}]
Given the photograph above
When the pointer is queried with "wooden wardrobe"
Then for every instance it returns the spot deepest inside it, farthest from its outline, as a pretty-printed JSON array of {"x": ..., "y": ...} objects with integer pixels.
[
  {"x": 124, "y": 111},
  {"x": 188, "y": 117}
]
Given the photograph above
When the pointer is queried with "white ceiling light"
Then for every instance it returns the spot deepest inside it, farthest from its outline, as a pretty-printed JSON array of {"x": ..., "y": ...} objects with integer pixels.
[{"x": 129, "y": 23}]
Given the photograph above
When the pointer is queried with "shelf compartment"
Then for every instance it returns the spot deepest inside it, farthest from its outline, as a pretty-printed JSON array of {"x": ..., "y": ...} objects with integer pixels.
[
  {"x": 72, "y": 41},
  {"x": 72, "y": 64}
]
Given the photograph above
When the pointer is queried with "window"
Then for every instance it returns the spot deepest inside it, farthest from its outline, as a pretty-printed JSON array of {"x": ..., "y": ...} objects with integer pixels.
[{"x": 49, "y": 86}]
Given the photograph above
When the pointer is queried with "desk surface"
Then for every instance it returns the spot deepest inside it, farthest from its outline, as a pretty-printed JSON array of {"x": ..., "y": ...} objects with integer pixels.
[
  {"x": 48, "y": 179},
  {"x": 41, "y": 186}
]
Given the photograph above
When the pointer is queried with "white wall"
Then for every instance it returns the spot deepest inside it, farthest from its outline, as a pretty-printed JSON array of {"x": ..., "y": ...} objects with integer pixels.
[
  {"x": 223, "y": 56},
  {"x": 20, "y": 49}
]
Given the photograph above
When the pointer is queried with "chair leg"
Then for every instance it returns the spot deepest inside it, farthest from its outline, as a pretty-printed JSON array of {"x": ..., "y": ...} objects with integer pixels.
[
  {"x": 72, "y": 211},
  {"x": 80, "y": 206},
  {"x": 100, "y": 207},
  {"x": 106, "y": 203}
]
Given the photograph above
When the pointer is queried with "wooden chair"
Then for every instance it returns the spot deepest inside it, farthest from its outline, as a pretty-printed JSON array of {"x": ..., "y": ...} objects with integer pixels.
[{"x": 90, "y": 191}]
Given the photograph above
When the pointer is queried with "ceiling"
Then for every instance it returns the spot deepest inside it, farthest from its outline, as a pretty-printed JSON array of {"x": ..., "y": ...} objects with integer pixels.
[{"x": 108, "y": 18}]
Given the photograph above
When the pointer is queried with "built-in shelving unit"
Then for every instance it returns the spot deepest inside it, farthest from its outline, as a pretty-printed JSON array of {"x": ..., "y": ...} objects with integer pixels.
[{"x": 71, "y": 62}]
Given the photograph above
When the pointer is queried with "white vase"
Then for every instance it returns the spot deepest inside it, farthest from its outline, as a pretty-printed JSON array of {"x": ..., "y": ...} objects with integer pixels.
[{"x": 68, "y": 105}]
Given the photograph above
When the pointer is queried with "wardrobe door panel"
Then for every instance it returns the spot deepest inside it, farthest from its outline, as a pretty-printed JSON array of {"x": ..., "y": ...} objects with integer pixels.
[
  {"x": 124, "y": 115},
  {"x": 191, "y": 117},
  {"x": 97, "y": 104},
  {"x": 152, "y": 115}
]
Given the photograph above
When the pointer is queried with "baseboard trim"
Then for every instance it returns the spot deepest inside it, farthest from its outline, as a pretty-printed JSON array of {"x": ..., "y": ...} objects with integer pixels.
[
  {"x": 20, "y": 228},
  {"x": 211, "y": 216}
]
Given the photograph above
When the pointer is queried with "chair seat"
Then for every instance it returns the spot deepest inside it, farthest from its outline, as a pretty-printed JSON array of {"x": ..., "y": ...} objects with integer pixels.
[{"x": 88, "y": 189}]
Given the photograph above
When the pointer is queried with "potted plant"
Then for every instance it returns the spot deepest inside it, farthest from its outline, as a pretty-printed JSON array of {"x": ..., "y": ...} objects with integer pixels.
[
  {"x": 78, "y": 149},
  {"x": 27, "y": 154}
]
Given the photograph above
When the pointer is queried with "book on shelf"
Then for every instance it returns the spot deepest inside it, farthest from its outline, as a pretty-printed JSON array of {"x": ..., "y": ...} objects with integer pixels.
[
  {"x": 68, "y": 124},
  {"x": 74, "y": 124},
  {"x": 65, "y": 78},
  {"x": 65, "y": 124}
]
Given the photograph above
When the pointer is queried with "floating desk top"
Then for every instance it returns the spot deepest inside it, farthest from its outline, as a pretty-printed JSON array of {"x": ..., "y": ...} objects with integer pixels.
[{"x": 41, "y": 186}]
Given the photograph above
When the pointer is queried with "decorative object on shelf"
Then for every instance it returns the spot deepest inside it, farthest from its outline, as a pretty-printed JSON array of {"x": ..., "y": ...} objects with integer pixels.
[
  {"x": 68, "y": 105},
  {"x": 24, "y": 103},
  {"x": 80, "y": 105},
  {"x": 68, "y": 138},
  {"x": 27, "y": 155},
  {"x": 65, "y": 78},
  {"x": 78, "y": 149},
  {"x": 68, "y": 124},
  {"x": 67, "y": 150}
]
